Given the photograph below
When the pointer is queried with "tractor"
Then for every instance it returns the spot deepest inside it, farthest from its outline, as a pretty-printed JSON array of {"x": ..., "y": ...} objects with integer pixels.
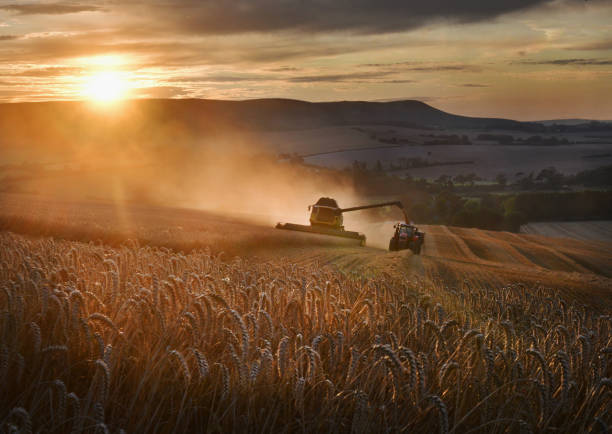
[{"x": 407, "y": 236}]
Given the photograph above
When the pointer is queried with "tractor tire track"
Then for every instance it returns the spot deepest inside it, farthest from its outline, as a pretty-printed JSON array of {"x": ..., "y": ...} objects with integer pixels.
[
  {"x": 463, "y": 247},
  {"x": 430, "y": 248},
  {"x": 506, "y": 247},
  {"x": 562, "y": 257}
]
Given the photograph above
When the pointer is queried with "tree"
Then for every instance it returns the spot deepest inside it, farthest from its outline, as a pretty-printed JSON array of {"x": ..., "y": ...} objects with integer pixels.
[
  {"x": 551, "y": 176},
  {"x": 501, "y": 179},
  {"x": 472, "y": 178},
  {"x": 526, "y": 183},
  {"x": 460, "y": 179},
  {"x": 514, "y": 220},
  {"x": 379, "y": 167}
]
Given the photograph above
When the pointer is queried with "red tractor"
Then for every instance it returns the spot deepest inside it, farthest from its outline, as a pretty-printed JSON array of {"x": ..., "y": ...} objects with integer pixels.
[{"x": 407, "y": 236}]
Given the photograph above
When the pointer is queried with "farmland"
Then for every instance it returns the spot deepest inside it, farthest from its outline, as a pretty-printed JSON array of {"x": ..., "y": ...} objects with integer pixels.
[
  {"x": 305, "y": 217},
  {"x": 487, "y": 160},
  {"x": 450, "y": 254},
  {"x": 589, "y": 230},
  {"x": 158, "y": 326}
]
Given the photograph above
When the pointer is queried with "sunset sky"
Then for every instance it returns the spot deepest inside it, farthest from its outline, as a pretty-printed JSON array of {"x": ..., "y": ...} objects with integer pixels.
[{"x": 522, "y": 59}]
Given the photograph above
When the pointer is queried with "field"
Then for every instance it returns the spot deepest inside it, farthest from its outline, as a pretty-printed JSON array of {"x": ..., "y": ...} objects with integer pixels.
[
  {"x": 339, "y": 147},
  {"x": 591, "y": 230},
  {"x": 151, "y": 319}
]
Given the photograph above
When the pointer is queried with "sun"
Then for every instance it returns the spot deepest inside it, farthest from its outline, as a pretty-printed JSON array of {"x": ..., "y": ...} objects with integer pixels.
[{"x": 106, "y": 86}]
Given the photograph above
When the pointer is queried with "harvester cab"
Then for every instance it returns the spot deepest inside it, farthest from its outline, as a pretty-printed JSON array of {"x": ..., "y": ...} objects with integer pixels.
[{"x": 327, "y": 213}]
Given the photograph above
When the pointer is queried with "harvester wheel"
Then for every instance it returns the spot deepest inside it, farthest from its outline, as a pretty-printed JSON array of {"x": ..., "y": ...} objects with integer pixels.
[{"x": 393, "y": 245}]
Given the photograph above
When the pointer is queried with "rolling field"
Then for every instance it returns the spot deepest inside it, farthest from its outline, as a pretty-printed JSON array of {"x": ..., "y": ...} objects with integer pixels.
[
  {"x": 590, "y": 230},
  {"x": 576, "y": 268},
  {"x": 151, "y": 319}
]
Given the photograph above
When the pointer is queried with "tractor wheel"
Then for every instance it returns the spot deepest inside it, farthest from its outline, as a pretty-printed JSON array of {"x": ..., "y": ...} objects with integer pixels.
[
  {"x": 393, "y": 245},
  {"x": 417, "y": 249}
]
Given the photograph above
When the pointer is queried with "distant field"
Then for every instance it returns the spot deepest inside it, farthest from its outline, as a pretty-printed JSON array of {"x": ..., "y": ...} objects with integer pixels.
[
  {"x": 339, "y": 146},
  {"x": 589, "y": 230},
  {"x": 487, "y": 160}
]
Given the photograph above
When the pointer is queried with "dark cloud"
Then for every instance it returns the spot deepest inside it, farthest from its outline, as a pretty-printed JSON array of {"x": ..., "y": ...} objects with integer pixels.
[
  {"x": 398, "y": 81},
  {"x": 604, "y": 45},
  {"x": 474, "y": 85},
  {"x": 583, "y": 62},
  {"x": 283, "y": 69},
  {"x": 8, "y": 37},
  {"x": 335, "y": 78},
  {"x": 50, "y": 8},
  {"x": 440, "y": 68},
  {"x": 362, "y": 16},
  {"x": 419, "y": 67}
]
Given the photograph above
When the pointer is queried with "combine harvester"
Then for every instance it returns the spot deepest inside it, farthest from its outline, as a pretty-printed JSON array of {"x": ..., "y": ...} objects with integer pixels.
[{"x": 326, "y": 218}]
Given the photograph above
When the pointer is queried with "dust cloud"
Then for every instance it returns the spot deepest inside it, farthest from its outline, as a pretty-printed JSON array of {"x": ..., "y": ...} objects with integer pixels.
[
  {"x": 130, "y": 158},
  {"x": 236, "y": 178}
]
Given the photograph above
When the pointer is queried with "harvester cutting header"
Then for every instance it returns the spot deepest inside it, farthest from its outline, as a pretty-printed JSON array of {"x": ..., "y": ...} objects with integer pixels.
[{"x": 326, "y": 218}]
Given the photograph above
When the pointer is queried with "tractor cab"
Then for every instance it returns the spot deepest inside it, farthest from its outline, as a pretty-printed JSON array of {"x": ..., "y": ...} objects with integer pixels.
[{"x": 404, "y": 231}]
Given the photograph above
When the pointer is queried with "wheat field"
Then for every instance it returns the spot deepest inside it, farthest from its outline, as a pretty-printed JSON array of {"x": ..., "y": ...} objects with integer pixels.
[{"x": 143, "y": 339}]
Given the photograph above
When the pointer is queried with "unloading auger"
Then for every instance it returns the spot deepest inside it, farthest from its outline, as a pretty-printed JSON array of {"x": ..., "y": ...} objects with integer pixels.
[{"x": 326, "y": 218}]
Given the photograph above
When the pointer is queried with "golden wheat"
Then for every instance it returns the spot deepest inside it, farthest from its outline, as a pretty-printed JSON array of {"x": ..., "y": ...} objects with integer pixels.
[{"x": 144, "y": 339}]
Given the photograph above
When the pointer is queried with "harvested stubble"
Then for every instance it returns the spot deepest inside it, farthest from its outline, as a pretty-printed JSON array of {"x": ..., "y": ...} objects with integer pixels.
[{"x": 142, "y": 339}]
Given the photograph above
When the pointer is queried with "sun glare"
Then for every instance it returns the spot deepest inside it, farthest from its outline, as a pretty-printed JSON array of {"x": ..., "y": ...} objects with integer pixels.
[{"x": 107, "y": 86}]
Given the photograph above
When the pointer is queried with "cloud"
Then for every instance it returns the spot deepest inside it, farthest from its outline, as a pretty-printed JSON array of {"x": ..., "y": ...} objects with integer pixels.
[
  {"x": 50, "y": 71},
  {"x": 159, "y": 92},
  {"x": 171, "y": 50},
  {"x": 283, "y": 69},
  {"x": 335, "y": 78},
  {"x": 439, "y": 68},
  {"x": 229, "y": 78},
  {"x": 473, "y": 85},
  {"x": 359, "y": 16},
  {"x": 398, "y": 81},
  {"x": 421, "y": 67},
  {"x": 49, "y": 8},
  {"x": 8, "y": 37},
  {"x": 582, "y": 62},
  {"x": 603, "y": 45}
]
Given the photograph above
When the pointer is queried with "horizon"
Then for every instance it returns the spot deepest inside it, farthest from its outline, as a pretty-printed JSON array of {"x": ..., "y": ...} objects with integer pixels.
[
  {"x": 524, "y": 59},
  {"x": 129, "y": 100}
]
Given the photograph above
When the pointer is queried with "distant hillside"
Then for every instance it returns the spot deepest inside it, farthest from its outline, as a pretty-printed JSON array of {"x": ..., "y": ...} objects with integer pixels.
[
  {"x": 155, "y": 120},
  {"x": 571, "y": 121}
]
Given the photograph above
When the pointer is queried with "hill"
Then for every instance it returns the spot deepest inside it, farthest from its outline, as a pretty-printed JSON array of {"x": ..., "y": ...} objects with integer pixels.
[{"x": 154, "y": 120}]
